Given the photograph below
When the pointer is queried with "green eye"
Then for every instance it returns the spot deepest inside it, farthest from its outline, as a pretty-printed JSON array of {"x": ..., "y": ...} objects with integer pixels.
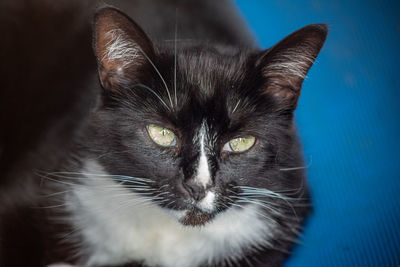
[
  {"x": 240, "y": 144},
  {"x": 161, "y": 136}
]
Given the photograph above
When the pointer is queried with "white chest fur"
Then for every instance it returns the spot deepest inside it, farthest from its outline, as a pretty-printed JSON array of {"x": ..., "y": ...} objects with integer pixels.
[{"x": 118, "y": 226}]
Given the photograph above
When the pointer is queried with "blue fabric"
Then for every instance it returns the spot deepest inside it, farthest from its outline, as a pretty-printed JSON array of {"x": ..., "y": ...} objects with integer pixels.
[{"x": 348, "y": 118}]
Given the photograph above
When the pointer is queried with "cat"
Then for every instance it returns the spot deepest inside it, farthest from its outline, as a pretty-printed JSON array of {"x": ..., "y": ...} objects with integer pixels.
[{"x": 190, "y": 156}]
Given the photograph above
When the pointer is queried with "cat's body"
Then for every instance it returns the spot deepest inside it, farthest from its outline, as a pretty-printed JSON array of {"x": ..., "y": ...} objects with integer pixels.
[{"x": 125, "y": 197}]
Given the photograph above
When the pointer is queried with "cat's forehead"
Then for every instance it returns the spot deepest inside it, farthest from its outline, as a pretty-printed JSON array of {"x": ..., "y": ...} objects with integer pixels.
[
  {"x": 209, "y": 69},
  {"x": 200, "y": 86}
]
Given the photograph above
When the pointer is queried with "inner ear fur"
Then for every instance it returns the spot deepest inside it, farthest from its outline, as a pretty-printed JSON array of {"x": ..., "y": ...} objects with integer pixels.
[{"x": 285, "y": 65}]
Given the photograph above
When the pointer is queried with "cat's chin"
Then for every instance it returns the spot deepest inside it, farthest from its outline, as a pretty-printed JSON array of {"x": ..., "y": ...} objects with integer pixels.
[
  {"x": 196, "y": 217},
  {"x": 192, "y": 217}
]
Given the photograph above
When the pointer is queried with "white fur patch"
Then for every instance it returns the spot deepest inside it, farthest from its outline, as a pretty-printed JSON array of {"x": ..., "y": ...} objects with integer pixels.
[
  {"x": 119, "y": 226},
  {"x": 203, "y": 175},
  {"x": 207, "y": 204}
]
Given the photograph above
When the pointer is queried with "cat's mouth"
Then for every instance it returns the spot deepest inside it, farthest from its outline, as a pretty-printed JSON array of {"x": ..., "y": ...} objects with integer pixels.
[
  {"x": 196, "y": 217},
  {"x": 191, "y": 212}
]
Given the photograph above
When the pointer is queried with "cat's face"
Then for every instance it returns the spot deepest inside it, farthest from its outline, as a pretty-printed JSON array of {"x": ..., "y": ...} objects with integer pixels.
[{"x": 197, "y": 129}]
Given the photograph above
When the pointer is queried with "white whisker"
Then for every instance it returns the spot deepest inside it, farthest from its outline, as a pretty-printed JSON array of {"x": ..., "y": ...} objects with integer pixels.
[
  {"x": 247, "y": 200},
  {"x": 293, "y": 168},
  {"x": 253, "y": 192},
  {"x": 159, "y": 74},
  {"x": 299, "y": 167},
  {"x": 152, "y": 91},
  {"x": 237, "y": 104},
  {"x": 176, "y": 34},
  {"x": 96, "y": 174}
]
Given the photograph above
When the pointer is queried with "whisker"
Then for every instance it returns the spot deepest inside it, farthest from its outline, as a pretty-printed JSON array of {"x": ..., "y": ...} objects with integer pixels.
[
  {"x": 261, "y": 192},
  {"x": 237, "y": 104},
  {"x": 94, "y": 174},
  {"x": 176, "y": 34},
  {"x": 294, "y": 168},
  {"x": 279, "y": 196},
  {"x": 163, "y": 186},
  {"x": 52, "y": 206},
  {"x": 253, "y": 192},
  {"x": 298, "y": 168},
  {"x": 247, "y": 200},
  {"x": 77, "y": 176},
  {"x": 159, "y": 74},
  {"x": 163, "y": 193},
  {"x": 112, "y": 152},
  {"x": 55, "y": 180},
  {"x": 169, "y": 204},
  {"x": 55, "y": 194},
  {"x": 152, "y": 91},
  {"x": 179, "y": 40}
]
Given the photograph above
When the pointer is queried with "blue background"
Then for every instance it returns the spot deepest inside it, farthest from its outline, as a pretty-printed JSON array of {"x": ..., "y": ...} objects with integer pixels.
[{"x": 348, "y": 118}]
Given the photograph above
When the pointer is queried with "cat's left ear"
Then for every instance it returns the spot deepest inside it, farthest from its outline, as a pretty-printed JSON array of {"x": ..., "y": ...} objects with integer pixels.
[
  {"x": 285, "y": 65},
  {"x": 121, "y": 47}
]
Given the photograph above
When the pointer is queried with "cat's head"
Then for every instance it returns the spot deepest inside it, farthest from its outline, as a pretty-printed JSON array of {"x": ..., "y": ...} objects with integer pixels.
[{"x": 203, "y": 129}]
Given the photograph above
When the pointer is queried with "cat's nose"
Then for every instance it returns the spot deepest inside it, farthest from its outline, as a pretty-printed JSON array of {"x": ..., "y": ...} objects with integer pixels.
[{"x": 195, "y": 190}]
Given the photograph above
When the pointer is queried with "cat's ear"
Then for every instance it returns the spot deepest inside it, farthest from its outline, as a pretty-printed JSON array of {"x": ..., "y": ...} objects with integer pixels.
[
  {"x": 285, "y": 65},
  {"x": 121, "y": 47}
]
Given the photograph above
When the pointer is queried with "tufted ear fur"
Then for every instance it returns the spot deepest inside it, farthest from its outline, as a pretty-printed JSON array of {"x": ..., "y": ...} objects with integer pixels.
[
  {"x": 121, "y": 47},
  {"x": 285, "y": 65}
]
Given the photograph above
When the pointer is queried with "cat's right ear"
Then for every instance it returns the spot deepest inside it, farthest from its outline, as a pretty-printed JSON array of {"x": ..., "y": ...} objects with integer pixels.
[{"x": 121, "y": 47}]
